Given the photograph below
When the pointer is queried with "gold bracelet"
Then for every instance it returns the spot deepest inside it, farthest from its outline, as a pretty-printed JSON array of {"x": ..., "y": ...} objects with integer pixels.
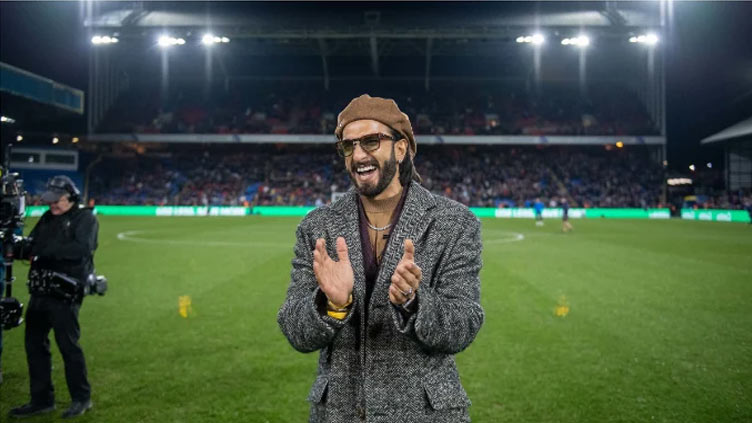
[
  {"x": 334, "y": 307},
  {"x": 339, "y": 315}
]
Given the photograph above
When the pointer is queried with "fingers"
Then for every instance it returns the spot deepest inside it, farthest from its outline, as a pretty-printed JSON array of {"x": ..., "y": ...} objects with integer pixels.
[
  {"x": 413, "y": 269},
  {"x": 323, "y": 255},
  {"x": 317, "y": 271},
  {"x": 409, "y": 254},
  {"x": 320, "y": 254},
  {"x": 342, "y": 253},
  {"x": 318, "y": 259},
  {"x": 396, "y": 297},
  {"x": 404, "y": 279}
]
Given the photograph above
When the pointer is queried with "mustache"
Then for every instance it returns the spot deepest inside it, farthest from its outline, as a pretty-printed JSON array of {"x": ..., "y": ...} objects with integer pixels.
[{"x": 354, "y": 167}]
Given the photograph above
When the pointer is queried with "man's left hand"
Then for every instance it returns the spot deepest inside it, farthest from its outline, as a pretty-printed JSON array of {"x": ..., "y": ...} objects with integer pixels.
[{"x": 406, "y": 277}]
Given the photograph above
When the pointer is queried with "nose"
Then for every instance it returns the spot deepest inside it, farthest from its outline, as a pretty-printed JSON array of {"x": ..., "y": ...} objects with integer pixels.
[{"x": 358, "y": 152}]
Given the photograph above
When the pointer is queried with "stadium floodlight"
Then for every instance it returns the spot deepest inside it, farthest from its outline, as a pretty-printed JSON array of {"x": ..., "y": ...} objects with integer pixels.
[
  {"x": 6, "y": 119},
  {"x": 168, "y": 41},
  {"x": 209, "y": 39},
  {"x": 103, "y": 39},
  {"x": 74, "y": 140},
  {"x": 692, "y": 167},
  {"x": 55, "y": 140},
  {"x": 535, "y": 39},
  {"x": 579, "y": 41},
  {"x": 709, "y": 165},
  {"x": 619, "y": 144},
  {"x": 679, "y": 181},
  {"x": 19, "y": 138},
  {"x": 648, "y": 39}
]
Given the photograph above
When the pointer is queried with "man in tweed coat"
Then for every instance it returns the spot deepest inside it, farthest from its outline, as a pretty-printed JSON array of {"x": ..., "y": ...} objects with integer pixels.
[{"x": 384, "y": 283}]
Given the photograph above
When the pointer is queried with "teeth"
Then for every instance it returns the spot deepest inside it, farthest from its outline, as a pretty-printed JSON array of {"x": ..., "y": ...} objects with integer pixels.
[{"x": 363, "y": 169}]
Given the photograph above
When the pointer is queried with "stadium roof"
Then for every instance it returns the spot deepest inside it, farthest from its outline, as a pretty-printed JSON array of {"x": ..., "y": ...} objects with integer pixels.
[
  {"x": 392, "y": 20},
  {"x": 741, "y": 129}
]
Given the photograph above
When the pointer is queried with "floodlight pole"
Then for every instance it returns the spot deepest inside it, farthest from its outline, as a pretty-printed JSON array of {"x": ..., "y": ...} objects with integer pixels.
[
  {"x": 324, "y": 64},
  {"x": 374, "y": 55}
]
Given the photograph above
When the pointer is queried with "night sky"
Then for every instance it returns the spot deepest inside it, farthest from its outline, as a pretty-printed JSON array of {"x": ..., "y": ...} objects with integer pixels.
[{"x": 709, "y": 78}]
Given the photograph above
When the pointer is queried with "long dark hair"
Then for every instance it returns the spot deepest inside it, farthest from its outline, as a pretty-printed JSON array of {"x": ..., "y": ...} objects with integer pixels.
[{"x": 407, "y": 170}]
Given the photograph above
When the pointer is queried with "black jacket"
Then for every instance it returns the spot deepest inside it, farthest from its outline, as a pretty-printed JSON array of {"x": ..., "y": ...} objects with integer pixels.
[{"x": 65, "y": 243}]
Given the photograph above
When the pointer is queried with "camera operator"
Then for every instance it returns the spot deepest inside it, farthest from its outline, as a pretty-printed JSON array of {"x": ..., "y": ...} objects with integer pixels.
[{"x": 61, "y": 252}]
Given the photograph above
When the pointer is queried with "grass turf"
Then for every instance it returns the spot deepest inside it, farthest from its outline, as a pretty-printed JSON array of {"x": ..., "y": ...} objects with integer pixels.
[{"x": 657, "y": 329}]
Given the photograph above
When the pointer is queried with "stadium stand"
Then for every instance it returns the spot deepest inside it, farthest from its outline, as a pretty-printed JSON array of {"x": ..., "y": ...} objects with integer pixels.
[
  {"x": 481, "y": 176},
  {"x": 458, "y": 108}
]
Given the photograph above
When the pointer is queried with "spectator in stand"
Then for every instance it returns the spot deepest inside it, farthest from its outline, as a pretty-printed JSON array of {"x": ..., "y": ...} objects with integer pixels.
[
  {"x": 479, "y": 176},
  {"x": 456, "y": 108}
]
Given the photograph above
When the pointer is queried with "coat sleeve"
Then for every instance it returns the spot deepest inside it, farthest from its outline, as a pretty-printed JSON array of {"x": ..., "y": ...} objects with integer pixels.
[
  {"x": 302, "y": 317},
  {"x": 449, "y": 313}
]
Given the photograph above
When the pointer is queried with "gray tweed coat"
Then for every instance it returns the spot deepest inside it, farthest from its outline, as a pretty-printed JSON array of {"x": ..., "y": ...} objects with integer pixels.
[{"x": 389, "y": 368}]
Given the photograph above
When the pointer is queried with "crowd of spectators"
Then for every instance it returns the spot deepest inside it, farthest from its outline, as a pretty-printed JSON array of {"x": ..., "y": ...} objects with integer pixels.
[
  {"x": 624, "y": 179},
  {"x": 723, "y": 200},
  {"x": 295, "y": 175},
  {"x": 451, "y": 109}
]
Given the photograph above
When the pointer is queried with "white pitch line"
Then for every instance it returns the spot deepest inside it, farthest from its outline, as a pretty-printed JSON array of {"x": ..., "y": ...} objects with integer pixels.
[
  {"x": 514, "y": 238},
  {"x": 131, "y": 236}
]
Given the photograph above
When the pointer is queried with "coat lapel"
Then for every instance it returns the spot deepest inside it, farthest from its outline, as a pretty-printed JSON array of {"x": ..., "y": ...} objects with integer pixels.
[
  {"x": 417, "y": 203},
  {"x": 347, "y": 208}
]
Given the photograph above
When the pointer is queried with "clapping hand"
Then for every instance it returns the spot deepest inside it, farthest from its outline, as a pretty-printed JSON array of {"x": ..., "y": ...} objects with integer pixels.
[{"x": 406, "y": 277}]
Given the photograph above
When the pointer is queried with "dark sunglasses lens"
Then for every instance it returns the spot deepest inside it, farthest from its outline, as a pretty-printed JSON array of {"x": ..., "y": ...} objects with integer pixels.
[
  {"x": 345, "y": 147},
  {"x": 370, "y": 142}
]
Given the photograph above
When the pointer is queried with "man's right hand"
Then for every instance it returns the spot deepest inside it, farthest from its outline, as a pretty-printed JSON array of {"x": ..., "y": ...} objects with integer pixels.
[{"x": 335, "y": 278}]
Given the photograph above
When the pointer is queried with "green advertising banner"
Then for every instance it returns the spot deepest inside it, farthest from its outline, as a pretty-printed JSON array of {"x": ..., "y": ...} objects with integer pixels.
[
  {"x": 715, "y": 215},
  {"x": 35, "y": 211},
  {"x": 578, "y": 213},
  {"x": 482, "y": 212},
  {"x": 281, "y": 210},
  {"x": 628, "y": 213}
]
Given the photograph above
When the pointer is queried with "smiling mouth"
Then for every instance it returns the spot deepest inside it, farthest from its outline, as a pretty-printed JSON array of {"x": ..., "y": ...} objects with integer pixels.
[{"x": 365, "y": 173}]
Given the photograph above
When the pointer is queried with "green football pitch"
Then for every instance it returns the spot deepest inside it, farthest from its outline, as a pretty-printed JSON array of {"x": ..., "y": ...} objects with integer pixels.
[{"x": 620, "y": 320}]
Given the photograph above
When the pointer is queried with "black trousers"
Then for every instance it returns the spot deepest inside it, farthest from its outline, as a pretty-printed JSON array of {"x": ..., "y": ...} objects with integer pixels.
[{"x": 45, "y": 313}]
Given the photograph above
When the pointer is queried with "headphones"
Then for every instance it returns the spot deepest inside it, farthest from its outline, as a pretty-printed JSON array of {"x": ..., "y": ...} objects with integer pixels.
[{"x": 64, "y": 183}]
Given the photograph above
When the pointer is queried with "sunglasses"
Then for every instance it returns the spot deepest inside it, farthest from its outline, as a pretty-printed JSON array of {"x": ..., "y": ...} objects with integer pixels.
[{"x": 368, "y": 143}]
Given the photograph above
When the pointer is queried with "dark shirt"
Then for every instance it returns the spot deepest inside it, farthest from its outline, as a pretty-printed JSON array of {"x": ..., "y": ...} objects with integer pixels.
[{"x": 370, "y": 265}]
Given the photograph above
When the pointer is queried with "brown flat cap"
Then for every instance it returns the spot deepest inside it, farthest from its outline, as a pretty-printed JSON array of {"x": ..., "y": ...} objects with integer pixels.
[{"x": 383, "y": 110}]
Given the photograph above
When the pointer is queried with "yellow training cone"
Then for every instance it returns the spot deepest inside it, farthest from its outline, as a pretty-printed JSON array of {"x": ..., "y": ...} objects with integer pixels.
[
  {"x": 562, "y": 309},
  {"x": 184, "y": 306}
]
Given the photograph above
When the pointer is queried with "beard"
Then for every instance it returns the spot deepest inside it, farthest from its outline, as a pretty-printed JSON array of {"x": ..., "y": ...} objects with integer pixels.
[{"x": 385, "y": 176}]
